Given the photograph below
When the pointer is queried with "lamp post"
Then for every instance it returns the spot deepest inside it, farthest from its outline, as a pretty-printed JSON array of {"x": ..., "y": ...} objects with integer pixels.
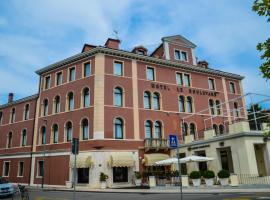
[{"x": 44, "y": 143}]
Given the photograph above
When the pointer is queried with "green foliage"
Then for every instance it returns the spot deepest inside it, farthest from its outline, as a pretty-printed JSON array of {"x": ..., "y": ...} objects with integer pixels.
[
  {"x": 209, "y": 174},
  {"x": 138, "y": 175},
  {"x": 103, "y": 177},
  {"x": 262, "y": 8},
  {"x": 195, "y": 175},
  {"x": 223, "y": 174}
]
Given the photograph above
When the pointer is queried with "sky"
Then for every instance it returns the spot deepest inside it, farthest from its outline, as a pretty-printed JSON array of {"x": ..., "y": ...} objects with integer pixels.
[{"x": 36, "y": 33}]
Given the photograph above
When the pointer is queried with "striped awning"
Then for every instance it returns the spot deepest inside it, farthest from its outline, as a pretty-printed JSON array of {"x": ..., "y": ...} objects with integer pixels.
[
  {"x": 151, "y": 159},
  {"x": 121, "y": 159},
  {"x": 82, "y": 161}
]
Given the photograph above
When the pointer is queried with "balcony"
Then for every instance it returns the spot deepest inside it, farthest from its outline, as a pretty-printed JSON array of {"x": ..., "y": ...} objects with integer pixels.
[{"x": 156, "y": 144}]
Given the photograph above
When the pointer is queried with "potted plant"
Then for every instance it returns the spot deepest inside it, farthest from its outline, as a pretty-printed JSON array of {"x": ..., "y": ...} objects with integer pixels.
[
  {"x": 223, "y": 176},
  {"x": 138, "y": 178},
  {"x": 103, "y": 178},
  {"x": 209, "y": 177},
  {"x": 196, "y": 178}
]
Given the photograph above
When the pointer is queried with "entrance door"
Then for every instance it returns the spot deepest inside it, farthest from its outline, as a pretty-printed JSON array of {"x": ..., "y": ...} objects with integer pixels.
[
  {"x": 226, "y": 159},
  {"x": 83, "y": 175},
  {"x": 259, "y": 152}
]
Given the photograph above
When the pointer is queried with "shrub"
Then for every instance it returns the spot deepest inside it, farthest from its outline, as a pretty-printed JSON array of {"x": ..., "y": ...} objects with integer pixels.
[
  {"x": 195, "y": 175},
  {"x": 223, "y": 174},
  {"x": 209, "y": 174},
  {"x": 103, "y": 177},
  {"x": 138, "y": 175}
]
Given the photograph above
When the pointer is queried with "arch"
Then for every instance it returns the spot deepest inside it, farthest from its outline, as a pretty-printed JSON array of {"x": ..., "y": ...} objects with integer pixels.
[
  {"x": 55, "y": 133},
  {"x": 147, "y": 100},
  {"x": 86, "y": 97},
  {"x": 192, "y": 129},
  {"x": 85, "y": 129},
  {"x": 215, "y": 128},
  {"x": 148, "y": 129},
  {"x": 211, "y": 107},
  {"x": 57, "y": 103},
  {"x": 118, "y": 128},
  {"x": 118, "y": 96},
  {"x": 189, "y": 104},
  {"x": 23, "y": 138},
  {"x": 158, "y": 130},
  {"x": 156, "y": 101},
  {"x": 69, "y": 131},
  {"x": 181, "y": 102},
  {"x": 70, "y": 101}
]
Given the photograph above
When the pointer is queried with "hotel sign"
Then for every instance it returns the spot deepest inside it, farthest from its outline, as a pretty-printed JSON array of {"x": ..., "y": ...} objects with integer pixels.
[{"x": 182, "y": 89}]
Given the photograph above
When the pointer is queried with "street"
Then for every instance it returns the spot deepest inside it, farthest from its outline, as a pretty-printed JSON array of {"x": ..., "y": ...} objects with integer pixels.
[{"x": 67, "y": 195}]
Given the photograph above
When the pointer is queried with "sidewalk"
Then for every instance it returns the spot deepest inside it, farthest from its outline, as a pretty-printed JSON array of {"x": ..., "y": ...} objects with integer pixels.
[{"x": 173, "y": 189}]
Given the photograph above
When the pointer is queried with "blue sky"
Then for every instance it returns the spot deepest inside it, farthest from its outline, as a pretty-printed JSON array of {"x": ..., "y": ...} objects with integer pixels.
[{"x": 35, "y": 33}]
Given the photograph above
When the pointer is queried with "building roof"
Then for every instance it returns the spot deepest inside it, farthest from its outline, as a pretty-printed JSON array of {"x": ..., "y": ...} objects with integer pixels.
[
  {"x": 35, "y": 96},
  {"x": 180, "y": 40}
]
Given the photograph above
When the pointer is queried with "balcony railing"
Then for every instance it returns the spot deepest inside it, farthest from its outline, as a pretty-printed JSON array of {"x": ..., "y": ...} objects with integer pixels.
[{"x": 156, "y": 143}]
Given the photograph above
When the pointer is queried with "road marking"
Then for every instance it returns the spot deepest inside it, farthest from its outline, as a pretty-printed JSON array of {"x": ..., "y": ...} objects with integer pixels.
[{"x": 49, "y": 198}]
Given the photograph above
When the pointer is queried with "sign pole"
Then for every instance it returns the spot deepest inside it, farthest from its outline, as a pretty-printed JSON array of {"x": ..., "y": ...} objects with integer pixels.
[
  {"x": 180, "y": 171},
  {"x": 75, "y": 151}
]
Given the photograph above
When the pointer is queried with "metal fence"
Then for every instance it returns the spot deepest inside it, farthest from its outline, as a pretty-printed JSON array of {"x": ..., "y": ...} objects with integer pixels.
[{"x": 253, "y": 179}]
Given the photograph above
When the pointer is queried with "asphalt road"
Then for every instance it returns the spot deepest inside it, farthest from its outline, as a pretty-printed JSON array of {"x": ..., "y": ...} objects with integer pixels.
[{"x": 66, "y": 195}]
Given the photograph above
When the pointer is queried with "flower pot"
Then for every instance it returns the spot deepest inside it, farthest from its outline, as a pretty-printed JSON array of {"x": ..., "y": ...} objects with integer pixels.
[
  {"x": 224, "y": 181},
  {"x": 196, "y": 182},
  {"x": 209, "y": 182},
  {"x": 138, "y": 182},
  {"x": 103, "y": 185},
  {"x": 68, "y": 184}
]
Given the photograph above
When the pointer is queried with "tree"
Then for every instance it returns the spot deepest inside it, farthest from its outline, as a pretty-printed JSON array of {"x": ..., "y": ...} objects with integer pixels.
[{"x": 262, "y": 8}]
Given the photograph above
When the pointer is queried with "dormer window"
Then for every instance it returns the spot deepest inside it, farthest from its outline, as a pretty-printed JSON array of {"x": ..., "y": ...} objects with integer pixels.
[
  {"x": 141, "y": 52},
  {"x": 180, "y": 55}
]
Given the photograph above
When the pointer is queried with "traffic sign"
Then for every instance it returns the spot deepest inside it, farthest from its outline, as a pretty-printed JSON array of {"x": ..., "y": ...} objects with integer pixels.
[{"x": 173, "y": 141}]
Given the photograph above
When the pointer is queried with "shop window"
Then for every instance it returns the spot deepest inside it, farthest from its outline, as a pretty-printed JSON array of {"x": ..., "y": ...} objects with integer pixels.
[{"x": 120, "y": 174}]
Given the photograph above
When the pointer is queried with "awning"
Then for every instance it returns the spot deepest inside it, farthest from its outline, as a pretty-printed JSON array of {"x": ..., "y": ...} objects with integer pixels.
[
  {"x": 82, "y": 161},
  {"x": 151, "y": 159},
  {"x": 121, "y": 159}
]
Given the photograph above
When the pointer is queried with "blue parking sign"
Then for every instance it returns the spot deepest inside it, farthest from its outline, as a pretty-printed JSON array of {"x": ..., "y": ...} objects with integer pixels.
[{"x": 173, "y": 141}]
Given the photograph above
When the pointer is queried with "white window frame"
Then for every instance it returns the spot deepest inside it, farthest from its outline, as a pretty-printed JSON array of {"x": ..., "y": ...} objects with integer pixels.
[
  {"x": 181, "y": 57},
  {"x": 214, "y": 83},
  {"x": 69, "y": 74},
  {"x": 38, "y": 175},
  {"x": 154, "y": 73},
  {"x": 56, "y": 78}
]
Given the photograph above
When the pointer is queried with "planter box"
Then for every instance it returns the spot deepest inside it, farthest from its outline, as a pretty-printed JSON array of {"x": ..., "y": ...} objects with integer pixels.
[
  {"x": 68, "y": 184},
  {"x": 196, "y": 182},
  {"x": 103, "y": 185},
  {"x": 224, "y": 181},
  {"x": 209, "y": 182},
  {"x": 138, "y": 182}
]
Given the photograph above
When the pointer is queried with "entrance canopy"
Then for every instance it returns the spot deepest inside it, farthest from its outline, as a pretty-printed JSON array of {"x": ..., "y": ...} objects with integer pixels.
[
  {"x": 82, "y": 161},
  {"x": 151, "y": 159},
  {"x": 121, "y": 159},
  {"x": 184, "y": 160}
]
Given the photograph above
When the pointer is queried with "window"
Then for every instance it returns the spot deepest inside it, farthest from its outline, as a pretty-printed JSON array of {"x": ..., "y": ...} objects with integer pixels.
[
  {"x": 183, "y": 56},
  {"x": 181, "y": 103},
  {"x": 118, "y": 96},
  {"x": 40, "y": 170},
  {"x": 86, "y": 97},
  {"x": 179, "y": 79},
  {"x": 120, "y": 174},
  {"x": 232, "y": 87},
  {"x": 156, "y": 99},
  {"x": 215, "y": 127},
  {"x": 20, "y": 168},
  {"x": 189, "y": 105},
  {"x": 1, "y": 118},
  {"x": 118, "y": 69},
  {"x": 147, "y": 100},
  {"x": 184, "y": 129},
  {"x": 43, "y": 135},
  {"x": 158, "y": 130},
  {"x": 150, "y": 74},
  {"x": 177, "y": 55},
  {"x": 86, "y": 69},
  {"x": 55, "y": 133},
  {"x": 26, "y": 112},
  {"x": 211, "y": 107},
  {"x": 47, "y": 82},
  {"x": 85, "y": 129},
  {"x": 186, "y": 79},
  {"x": 69, "y": 131},
  {"x": 9, "y": 140},
  {"x": 118, "y": 128},
  {"x": 72, "y": 74},
  {"x": 57, "y": 104},
  {"x": 148, "y": 129},
  {"x": 45, "y": 107},
  {"x": 235, "y": 109},
  {"x": 221, "y": 129},
  {"x": 70, "y": 102},
  {"x": 211, "y": 84},
  {"x": 23, "y": 140},
  {"x": 12, "y": 117},
  {"x": 218, "y": 107},
  {"x": 140, "y": 52},
  {"x": 59, "y": 78},
  {"x": 6, "y": 169},
  {"x": 192, "y": 129}
]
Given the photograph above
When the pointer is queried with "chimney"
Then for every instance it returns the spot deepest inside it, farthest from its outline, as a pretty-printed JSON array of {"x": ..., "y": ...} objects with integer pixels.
[
  {"x": 203, "y": 64},
  {"x": 112, "y": 43},
  {"x": 10, "y": 97}
]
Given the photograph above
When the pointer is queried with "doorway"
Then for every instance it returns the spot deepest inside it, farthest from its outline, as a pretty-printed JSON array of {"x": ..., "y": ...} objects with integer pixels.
[
  {"x": 83, "y": 175},
  {"x": 226, "y": 159},
  {"x": 259, "y": 153}
]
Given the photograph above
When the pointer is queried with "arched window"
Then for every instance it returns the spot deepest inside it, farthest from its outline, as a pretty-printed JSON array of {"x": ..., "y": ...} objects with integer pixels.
[
  {"x": 43, "y": 135},
  {"x": 86, "y": 97},
  {"x": 118, "y": 128},
  {"x": 12, "y": 117},
  {"x": 45, "y": 107},
  {"x": 211, "y": 107},
  {"x": 26, "y": 112},
  {"x": 181, "y": 103},
  {"x": 148, "y": 129},
  {"x": 118, "y": 96},
  {"x": 158, "y": 130},
  {"x": 69, "y": 131},
  {"x": 221, "y": 129},
  {"x": 147, "y": 100},
  {"x": 57, "y": 104},
  {"x": 218, "y": 107},
  {"x": 23, "y": 139},
  {"x": 9, "y": 140},
  {"x": 55, "y": 133},
  {"x": 235, "y": 109},
  {"x": 189, "y": 105},
  {"x": 85, "y": 129},
  {"x": 70, "y": 99},
  {"x": 192, "y": 129},
  {"x": 215, "y": 127},
  {"x": 156, "y": 101},
  {"x": 184, "y": 129}
]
